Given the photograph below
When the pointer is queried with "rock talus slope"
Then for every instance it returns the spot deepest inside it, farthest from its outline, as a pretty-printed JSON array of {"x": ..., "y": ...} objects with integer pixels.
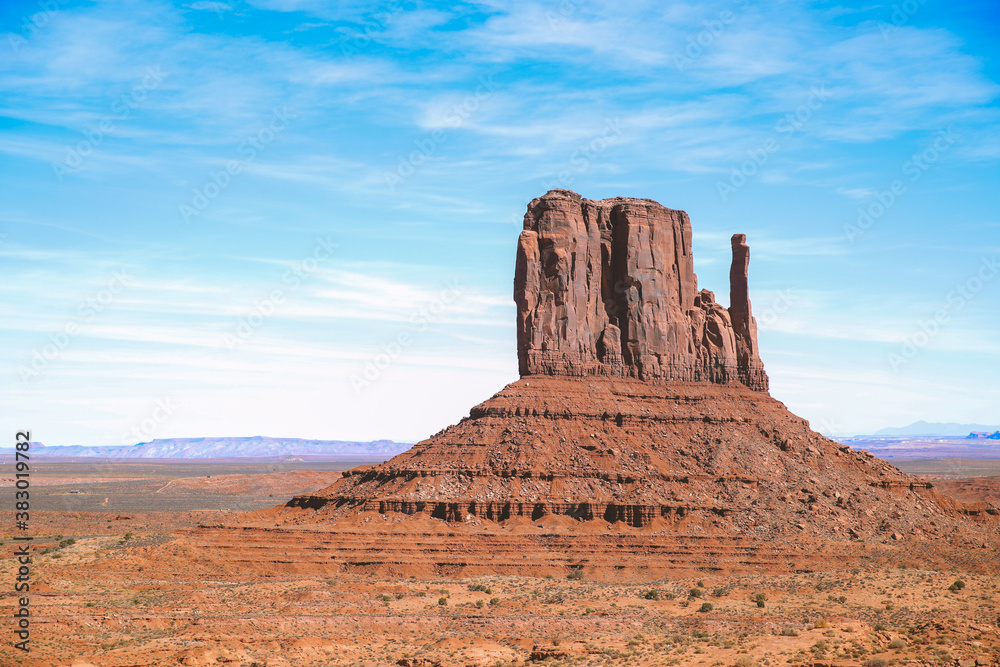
[{"x": 640, "y": 437}]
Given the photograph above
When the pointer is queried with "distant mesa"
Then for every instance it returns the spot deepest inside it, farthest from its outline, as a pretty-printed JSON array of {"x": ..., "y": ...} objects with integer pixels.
[
  {"x": 984, "y": 434},
  {"x": 640, "y": 437},
  {"x": 231, "y": 447},
  {"x": 949, "y": 429}
]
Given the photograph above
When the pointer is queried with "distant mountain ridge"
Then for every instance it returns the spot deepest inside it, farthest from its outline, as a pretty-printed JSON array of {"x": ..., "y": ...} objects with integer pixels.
[
  {"x": 231, "y": 447},
  {"x": 937, "y": 428}
]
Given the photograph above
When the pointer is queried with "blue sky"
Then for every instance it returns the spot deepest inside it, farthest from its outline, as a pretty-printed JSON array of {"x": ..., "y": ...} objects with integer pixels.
[{"x": 298, "y": 218}]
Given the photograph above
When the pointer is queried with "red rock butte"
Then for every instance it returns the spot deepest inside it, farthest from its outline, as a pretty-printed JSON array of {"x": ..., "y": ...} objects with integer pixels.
[
  {"x": 640, "y": 441},
  {"x": 608, "y": 288}
]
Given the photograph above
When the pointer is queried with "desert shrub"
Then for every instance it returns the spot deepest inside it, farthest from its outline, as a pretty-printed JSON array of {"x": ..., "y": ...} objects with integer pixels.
[
  {"x": 400, "y": 596},
  {"x": 575, "y": 574},
  {"x": 701, "y": 584},
  {"x": 480, "y": 587},
  {"x": 386, "y": 598},
  {"x": 67, "y": 543},
  {"x": 897, "y": 643},
  {"x": 442, "y": 601},
  {"x": 745, "y": 661},
  {"x": 480, "y": 604},
  {"x": 875, "y": 662},
  {"x": 651, "y": 594},
  {"x": 821, "y": 623},
  {"x": 720, "y": 592},
  {"x": 696, "y": 592},
  {"x": 957, "y": 586},
  {"x": 706, "y": 606},
  {"x": 879, "y": 627},
  {"x": 789, "y": 631},
  {"x": 495, "y": 602},
  {"x": 759, "y": 598}
]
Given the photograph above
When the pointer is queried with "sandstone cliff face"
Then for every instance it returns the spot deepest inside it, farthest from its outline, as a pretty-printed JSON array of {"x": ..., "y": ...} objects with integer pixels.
[{"x": 608, "y": 288}]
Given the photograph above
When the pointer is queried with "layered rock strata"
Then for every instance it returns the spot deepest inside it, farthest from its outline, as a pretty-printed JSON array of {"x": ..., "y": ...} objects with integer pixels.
[
  {"x": 608, "y": 288},
  {"x": 644, "y": 454}
]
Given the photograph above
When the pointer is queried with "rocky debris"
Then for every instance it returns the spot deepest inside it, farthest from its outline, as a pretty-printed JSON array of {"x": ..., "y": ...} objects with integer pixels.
[{"x": 608, "y": 288}]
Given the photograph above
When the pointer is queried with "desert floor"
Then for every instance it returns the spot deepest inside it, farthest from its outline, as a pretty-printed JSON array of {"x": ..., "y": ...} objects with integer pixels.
[{"x": 115, "y": 582}]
